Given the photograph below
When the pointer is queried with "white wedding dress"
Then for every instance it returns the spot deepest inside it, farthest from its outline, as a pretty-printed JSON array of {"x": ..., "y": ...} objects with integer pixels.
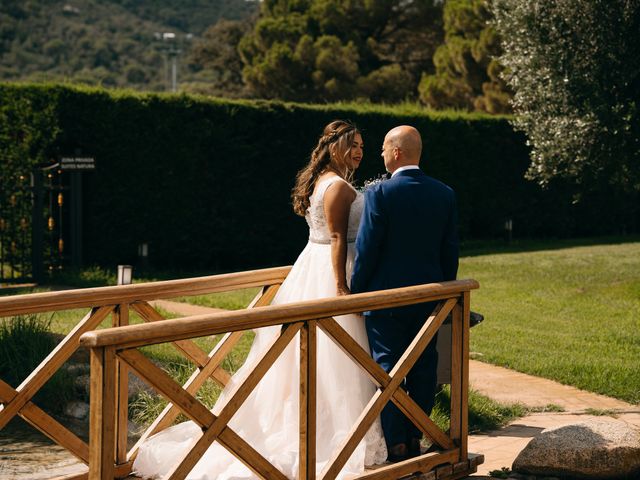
[{"x": 268, "y": 419}]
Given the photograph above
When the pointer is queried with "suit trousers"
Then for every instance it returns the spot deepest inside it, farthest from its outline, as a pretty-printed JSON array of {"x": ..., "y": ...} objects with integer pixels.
[{"x": 390, "y": 334}]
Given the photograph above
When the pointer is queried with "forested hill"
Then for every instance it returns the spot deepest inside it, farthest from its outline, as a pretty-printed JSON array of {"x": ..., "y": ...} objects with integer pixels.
[{"x": 106, "y": 42}]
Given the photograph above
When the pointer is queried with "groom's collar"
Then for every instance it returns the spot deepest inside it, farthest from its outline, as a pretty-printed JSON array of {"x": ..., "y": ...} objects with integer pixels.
[{"x": 404, "y": 169}]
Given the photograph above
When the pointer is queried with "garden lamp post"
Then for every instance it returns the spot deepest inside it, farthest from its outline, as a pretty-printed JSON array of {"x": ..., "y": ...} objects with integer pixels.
[{"x": 125, "y": 273}]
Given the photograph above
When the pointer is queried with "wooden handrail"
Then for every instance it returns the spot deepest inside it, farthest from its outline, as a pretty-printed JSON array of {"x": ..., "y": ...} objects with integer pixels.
[
  {"x": 117, "y": 302},
  {"x": 113, "y": 345},
  {"x": 215, "y": 323},
  {"x": 113, "y": 354},
  {"x": 96, "y": 297}
]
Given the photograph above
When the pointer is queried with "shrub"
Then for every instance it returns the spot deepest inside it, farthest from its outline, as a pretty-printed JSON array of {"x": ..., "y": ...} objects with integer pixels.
[
  {"x": 24, "y": 342},
  {"x": 206, "y": 182}
]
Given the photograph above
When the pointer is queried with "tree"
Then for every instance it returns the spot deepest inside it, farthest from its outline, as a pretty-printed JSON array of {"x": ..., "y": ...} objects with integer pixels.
[
  {"x": 326, "y": 50},
  {"x": 467, "y": 73},
  {"x": 216, "y": 54},
  {"x": 575, "y": 68}
]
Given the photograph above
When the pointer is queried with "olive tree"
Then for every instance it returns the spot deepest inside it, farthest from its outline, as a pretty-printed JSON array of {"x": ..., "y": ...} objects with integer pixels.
[{"x": 574, "y": 66}]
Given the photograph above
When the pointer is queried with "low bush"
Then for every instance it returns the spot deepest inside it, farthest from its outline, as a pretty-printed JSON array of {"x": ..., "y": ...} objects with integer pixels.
[{"x": 24, "y": 342}]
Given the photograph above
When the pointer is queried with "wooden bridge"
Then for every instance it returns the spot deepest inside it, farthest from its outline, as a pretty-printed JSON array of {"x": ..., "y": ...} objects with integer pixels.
[{"x": 114, "y": 352}]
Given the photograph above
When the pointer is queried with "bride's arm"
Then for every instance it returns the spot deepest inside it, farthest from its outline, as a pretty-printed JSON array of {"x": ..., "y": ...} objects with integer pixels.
[{"x": 337, "y": 204}]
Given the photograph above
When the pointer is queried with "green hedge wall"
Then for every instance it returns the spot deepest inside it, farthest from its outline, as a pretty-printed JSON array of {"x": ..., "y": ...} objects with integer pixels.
[{"x": 206, "y": 182}]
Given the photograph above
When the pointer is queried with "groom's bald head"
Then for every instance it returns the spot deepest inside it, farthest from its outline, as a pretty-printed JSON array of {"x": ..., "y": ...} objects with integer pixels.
[{"x": 402, "y": 146}]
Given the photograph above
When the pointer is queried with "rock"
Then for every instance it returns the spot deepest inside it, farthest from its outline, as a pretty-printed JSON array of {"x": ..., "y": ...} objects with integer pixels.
[
  {"x": 77, "y": 369},
  {"x": 77, "y": 409},
  {"x": 136, "y": 385},
  {"x": 601, "y": 448},
  {"x": 82, "y": 383}
]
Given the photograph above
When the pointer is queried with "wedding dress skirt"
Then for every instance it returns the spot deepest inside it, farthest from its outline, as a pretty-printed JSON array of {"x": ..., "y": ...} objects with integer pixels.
[{"x": 268, "y": 419}]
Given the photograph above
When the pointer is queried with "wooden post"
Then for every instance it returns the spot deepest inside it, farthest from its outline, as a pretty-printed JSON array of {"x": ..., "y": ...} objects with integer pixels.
[
  {"x": 37, "y": 228},
  {"x": 76, "y": 219},
  {"x": 121, "y": 318},
  {"x": 103, "y": 414},
  {"x": 308, "y": 361},
  {"x": 464, "y": 404},
  {"x": 456, "y": 375}
]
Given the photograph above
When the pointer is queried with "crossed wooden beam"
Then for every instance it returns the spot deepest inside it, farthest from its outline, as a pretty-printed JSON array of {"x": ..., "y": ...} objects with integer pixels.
[
  {"x": 215, "y": 427},
  {"x": 18, "y": 401}
]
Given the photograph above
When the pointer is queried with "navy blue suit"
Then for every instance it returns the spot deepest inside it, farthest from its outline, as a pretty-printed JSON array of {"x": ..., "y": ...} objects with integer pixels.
[{"x": 407, "y": 236}]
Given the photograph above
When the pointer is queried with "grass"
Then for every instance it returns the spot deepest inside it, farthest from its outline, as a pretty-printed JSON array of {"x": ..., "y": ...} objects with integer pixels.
[
  {"x": 564, "y": 310},
  {"x": 504, "y": 472},
  {"x": 568, "y": 314},
  {"x": 146, "y": 407},
  {"x": 596, "y": 412},
  {"x": 235, "y": 300},
  {"x": 484, "y": 414},
  {"x": 551, "y": 407},
  {"x": 24, "y": 342}
]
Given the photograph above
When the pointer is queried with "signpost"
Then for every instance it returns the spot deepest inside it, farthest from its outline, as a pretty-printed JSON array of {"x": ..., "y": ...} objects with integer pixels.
[
  {"x": 76, "y": 166},
  {"x": 77, "y": 163}
]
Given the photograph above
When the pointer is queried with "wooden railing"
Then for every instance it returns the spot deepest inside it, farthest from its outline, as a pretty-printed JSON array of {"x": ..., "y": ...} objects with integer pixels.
[
  {"x": 114, "y": 353},
  {"x": 110, "y": 346},
  {"x": 117, "y": 302}
]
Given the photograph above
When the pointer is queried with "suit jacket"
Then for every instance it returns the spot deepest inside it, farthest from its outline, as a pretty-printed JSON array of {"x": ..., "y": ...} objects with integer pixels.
[{"x": 407, "y": 236}]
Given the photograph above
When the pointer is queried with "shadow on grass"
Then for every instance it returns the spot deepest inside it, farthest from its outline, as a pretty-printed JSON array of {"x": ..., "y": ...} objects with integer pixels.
[
  {"x": 99, "y": 277},
  {"x": 474, "y": 248}
]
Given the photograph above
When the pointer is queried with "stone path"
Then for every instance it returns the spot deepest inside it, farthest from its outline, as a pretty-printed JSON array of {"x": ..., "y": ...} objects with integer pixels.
[
  {"x": 183, "y": 309},
  {"x": 26, "y": 454},
  {"x": 32, "y": 456},
  {"x": 501, "y": 447}
]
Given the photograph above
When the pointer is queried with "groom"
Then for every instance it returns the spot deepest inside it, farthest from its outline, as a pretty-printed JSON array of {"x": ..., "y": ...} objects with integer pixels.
[{"x": 407, "y": 236}]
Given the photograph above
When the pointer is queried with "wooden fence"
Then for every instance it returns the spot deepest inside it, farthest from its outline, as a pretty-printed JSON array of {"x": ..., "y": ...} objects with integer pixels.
[{"x": 114, "y": 352}]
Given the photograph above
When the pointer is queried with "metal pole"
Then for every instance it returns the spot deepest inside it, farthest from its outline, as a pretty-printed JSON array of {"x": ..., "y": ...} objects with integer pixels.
[
  {"x": 166, "y": 70},
  {"x": 37, "y": 227},
  {"x": 76, "y": 219},
  {"x": 174, "y": 71}
]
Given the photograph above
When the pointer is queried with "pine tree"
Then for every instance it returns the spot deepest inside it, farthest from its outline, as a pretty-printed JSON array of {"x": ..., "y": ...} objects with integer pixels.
[
  {"x": 467, "y": 74},
  {"x": 327, "y": 50}
]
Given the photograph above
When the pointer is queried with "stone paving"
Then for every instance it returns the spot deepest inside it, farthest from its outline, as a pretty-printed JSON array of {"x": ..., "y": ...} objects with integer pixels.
[
  {"x": 501, "y": 447},
  {"x": 26, "y": 454}
]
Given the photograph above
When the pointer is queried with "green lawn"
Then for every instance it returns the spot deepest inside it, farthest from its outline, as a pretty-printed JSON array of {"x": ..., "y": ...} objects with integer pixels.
[
  {"x": 568, "y": 311},
  {"x": 228, "y": 300},
  {"x": 484, "y": 414},
  {"x": 569, "y": 314}
]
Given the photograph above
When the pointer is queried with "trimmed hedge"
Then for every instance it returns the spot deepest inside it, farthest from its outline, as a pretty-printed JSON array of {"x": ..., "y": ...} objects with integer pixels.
[{"x": 206, "y": 182}]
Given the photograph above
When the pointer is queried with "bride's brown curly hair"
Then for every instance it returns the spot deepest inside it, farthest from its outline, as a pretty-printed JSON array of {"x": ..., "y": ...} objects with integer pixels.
[{"x": 338, "y": 132}]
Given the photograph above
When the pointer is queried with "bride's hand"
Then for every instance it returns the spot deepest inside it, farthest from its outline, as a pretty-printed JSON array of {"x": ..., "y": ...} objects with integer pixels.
[{"x": 343, "y": 290}]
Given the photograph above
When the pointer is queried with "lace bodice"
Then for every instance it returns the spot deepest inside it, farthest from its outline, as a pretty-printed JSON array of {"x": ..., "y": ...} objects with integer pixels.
[{"x": 318, "y": 229}]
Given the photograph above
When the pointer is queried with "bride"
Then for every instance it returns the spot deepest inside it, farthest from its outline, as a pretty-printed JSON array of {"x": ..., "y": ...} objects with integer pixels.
[{"x": 268, "y": 419}]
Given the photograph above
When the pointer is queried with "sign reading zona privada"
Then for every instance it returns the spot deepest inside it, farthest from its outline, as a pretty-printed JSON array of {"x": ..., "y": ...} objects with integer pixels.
[{"x": 77, "y": 163}]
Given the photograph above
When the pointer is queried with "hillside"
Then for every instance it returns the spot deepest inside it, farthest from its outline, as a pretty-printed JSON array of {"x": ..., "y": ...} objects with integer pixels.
[{"x": 107, "y": 42}]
